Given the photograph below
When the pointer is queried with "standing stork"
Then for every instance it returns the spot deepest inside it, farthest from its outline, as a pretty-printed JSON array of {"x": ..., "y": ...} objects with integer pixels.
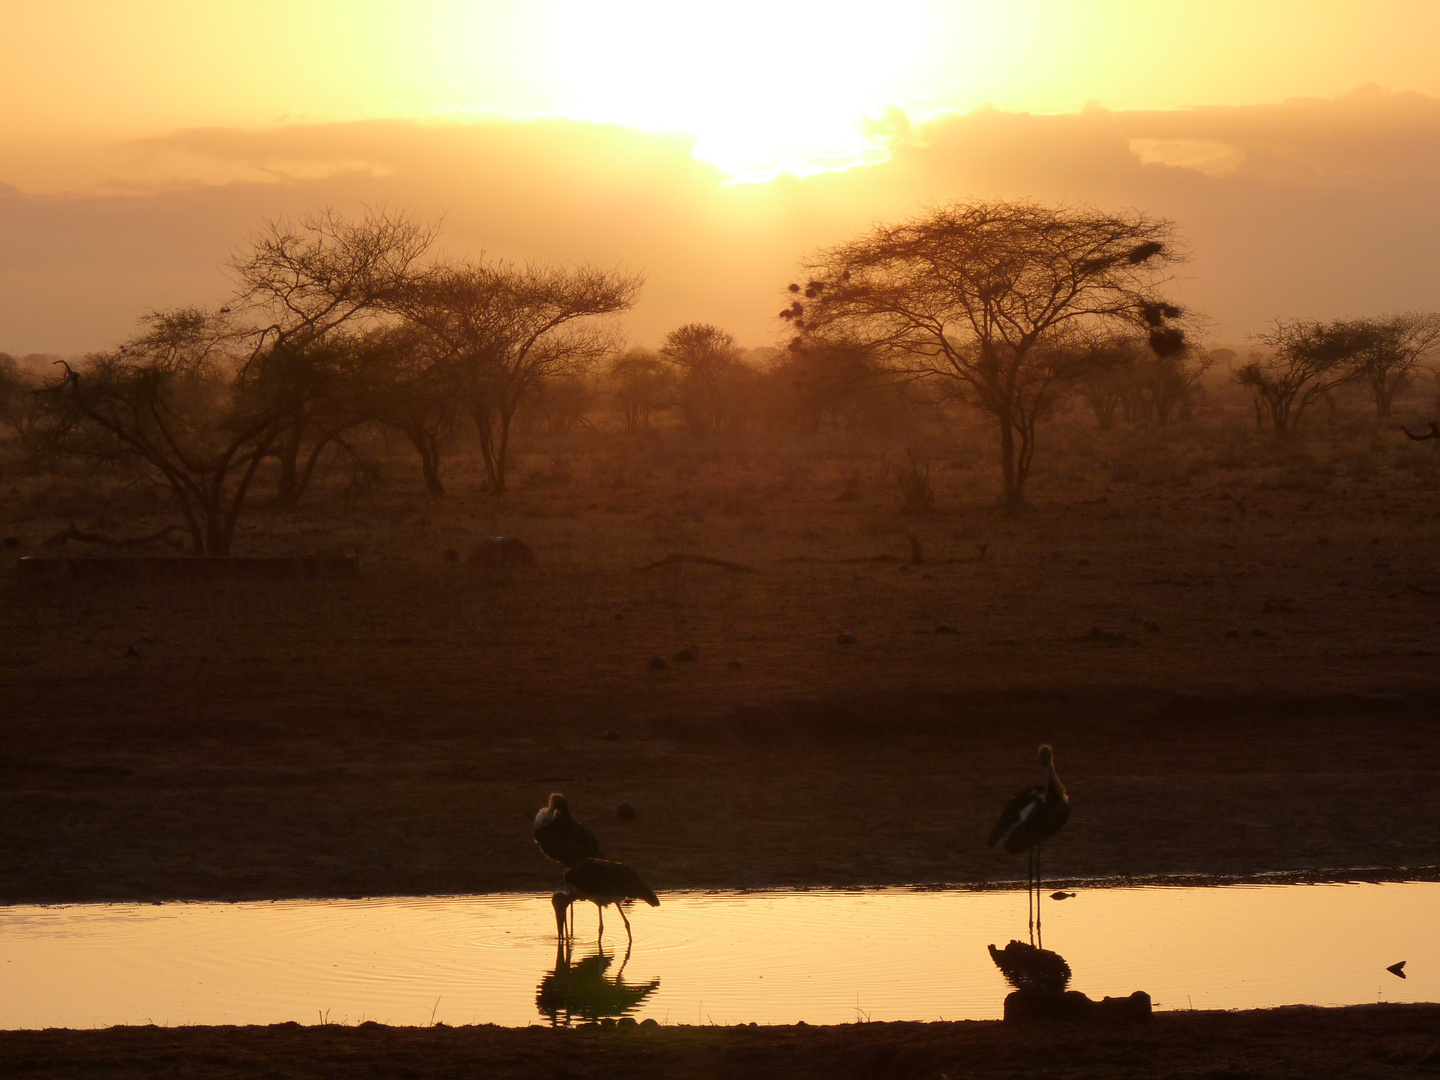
[
  {"x": 560, "y": 836},
  {"x": 601, "y": 882},
  {"x": 1028, "y": 820}
]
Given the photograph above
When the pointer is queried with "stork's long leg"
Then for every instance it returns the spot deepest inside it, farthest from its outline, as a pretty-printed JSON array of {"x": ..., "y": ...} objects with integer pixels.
[
  {"x": 629, "y": 938},
  {"x": 1030, "y": 891},
  {"x": 600, "y": 909},
  {"x": 1039, "y": 896}
]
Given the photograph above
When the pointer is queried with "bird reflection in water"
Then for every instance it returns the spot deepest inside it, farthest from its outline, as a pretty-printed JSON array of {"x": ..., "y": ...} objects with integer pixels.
[{"x": 581, "y": 992}]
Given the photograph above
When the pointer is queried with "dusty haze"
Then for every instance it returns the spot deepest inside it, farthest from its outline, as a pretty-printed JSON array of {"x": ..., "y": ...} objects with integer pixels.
[{"x": 1315, "y": 208}]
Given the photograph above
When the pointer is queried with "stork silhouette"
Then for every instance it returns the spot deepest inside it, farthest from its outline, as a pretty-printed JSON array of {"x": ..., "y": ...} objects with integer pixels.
[
  {"x": 1028, "y": 820},
  {"x": 560, "y": 836},
  {"x": 602, "y": 883}
]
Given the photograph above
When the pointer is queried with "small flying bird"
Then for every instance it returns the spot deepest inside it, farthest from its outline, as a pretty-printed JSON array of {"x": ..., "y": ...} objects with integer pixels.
[
  {"x": 1028, "y": 820},
  {"x": 601, "y": 882},
  {"x": 560, "y": 836},
  {"x": 1397, "y": 969}
]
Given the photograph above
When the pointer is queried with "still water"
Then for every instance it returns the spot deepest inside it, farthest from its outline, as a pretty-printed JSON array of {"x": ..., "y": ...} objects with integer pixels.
[{"x": 822, "y": 956}]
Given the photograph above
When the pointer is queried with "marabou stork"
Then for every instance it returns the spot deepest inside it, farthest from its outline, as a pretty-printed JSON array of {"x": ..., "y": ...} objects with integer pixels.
[
  {"x": 1028, "y": 820},
  {"x": 601, "y": 882},
  {"x": 560, "y": 836}
]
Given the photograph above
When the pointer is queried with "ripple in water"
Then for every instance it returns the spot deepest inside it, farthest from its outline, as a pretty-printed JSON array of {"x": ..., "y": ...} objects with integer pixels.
[{"x": 820, "y": 956}]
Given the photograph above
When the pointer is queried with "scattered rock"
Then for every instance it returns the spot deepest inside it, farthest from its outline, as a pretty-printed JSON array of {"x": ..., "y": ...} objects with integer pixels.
[
  {"x": 1082, "y": 562},
  {"x": 735, "y": 665},
  {"x": 611, "y": 735},
  {"x": 1151, "y": 625},
  {"x": 132, "y": 653},
  {"x": 1259, "y": 632},
  {"x": 847, "y": 638},
  {"x": 627, "y": 1022},
  {"x": 1233, "y": 632},
  {"x": 946, "y": 628},
  {"x": 625, "y": 812},
  {"x": 619, "y": 616},
  {"x": 657, "y": 663},
  {"x": 502, "y": 553},
  {"x": 1023, "y": 1006},
  {"x": 649, "y": 1022},
  {"x": 451, "y": 555},
  {"x": 687, "y": 655},
  {"x": 1095, "y": 634}
]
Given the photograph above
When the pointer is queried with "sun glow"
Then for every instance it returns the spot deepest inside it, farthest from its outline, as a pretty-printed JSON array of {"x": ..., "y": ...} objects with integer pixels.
[{"x": 761, "y": 87}]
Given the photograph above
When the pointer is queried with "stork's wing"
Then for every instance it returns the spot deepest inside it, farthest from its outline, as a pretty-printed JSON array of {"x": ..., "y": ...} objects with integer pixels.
[
  {"x": 1016, "y": 811},
  {"x": 600, "y": 877},
  {"x": 566, "y": 842}
]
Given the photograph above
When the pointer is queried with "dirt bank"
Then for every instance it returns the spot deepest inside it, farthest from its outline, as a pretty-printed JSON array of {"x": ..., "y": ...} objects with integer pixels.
[{"x": 1365, "y": 1041}]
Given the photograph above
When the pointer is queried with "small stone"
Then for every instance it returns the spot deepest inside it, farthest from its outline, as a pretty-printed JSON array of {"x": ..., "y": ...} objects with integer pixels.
[
  {"x": 649, "y": 1022},
  {"x": 847, "y": 638},
  {"x": 1233, "y": 632},
  {"x": 946, "y": 628},
  {"x": 451, "y": 555},
  {"x": 625, "y": 812},
  {"x": 687, "y": 655},
  {"x": 132, "y": 653},
  {"x": 657, "y": 663},
  {"x": 1151, "y": 625},
  {"x": 1258, "y": 632},
  {"x": 619, "y": 616},
  {"x": 627, "y": 1022},
  {"x": 611, "y": 735},
  {"x": 735, "y": 665}
]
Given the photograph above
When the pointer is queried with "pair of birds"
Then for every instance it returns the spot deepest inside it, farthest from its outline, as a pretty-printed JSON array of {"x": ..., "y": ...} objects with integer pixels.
[
  {"x": 587, "y": 876},
  {"x": 1028, "y": 820}
]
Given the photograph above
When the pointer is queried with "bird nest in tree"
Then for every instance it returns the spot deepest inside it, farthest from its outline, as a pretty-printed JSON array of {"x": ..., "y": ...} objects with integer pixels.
[{"x": 1032, "y": 970}]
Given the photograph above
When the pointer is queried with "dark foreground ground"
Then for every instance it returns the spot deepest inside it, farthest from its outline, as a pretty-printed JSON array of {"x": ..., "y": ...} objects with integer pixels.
[{"x": 1364, "y": 1041}]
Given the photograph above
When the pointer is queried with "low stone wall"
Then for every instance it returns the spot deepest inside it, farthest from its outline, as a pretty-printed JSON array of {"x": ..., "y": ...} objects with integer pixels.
[{"x": 101, "y": 568}]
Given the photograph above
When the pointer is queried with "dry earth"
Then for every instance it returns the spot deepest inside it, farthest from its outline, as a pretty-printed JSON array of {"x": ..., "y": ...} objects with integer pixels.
[
  {"x": 1306, "y": 1044},
  {"x": 395, "y": 733}
]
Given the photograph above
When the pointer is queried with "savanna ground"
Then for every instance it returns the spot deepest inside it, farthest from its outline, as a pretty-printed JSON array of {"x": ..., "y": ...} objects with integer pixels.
[{"x": 395, "y": 733}]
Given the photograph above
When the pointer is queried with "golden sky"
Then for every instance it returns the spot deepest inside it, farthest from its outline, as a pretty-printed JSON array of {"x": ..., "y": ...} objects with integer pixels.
[
  {"x": 141, "y": 139},
  {"x": 756, "y": 82}
]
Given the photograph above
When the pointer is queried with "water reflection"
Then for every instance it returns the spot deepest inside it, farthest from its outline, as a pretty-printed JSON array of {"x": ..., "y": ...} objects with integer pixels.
[
  {"x": 822, "y": 956},
  {"x": 579, "y": 991}
]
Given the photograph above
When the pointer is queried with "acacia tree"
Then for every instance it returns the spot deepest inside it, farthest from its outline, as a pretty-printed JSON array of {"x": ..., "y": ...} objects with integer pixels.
[
  {"x": 497, "y": 329},
  {"x": 1302, "y": 361},
  {"x": 642, "y": 384},
  {"x": 707, "y": 367},
  {"x": 180, "y": 402},
  {"x": 404, "y": 387},
  {"x": 310, "y": 282},
  {"x": 1388, "y": 349},
  {"x": 18, "y": 401},
  {"x": 985, "y": 298}
]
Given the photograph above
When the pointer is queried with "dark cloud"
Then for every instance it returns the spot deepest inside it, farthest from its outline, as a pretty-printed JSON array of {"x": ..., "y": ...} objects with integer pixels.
[{"x": 1306, "y": 207}]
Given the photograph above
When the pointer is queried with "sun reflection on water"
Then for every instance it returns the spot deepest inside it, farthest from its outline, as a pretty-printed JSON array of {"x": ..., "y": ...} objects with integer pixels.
[{"x": 822, "y": 956}]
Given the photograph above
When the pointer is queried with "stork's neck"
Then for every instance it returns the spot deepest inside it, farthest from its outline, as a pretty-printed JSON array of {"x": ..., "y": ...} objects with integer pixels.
[{"x": 1053, "y": 787}]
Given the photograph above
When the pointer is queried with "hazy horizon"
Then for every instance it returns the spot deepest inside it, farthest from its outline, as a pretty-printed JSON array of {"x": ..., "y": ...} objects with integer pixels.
[{"x": 138, "y": 152}]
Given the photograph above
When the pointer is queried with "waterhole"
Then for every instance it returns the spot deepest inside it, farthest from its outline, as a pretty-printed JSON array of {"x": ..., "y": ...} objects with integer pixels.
[{"x": 821, "y": 956}]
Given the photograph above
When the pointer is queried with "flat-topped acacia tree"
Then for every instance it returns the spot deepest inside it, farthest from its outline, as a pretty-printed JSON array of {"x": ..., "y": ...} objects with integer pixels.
[
  {"x": 496, "y": 329},
  {"x": 985, "y": 299}
]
